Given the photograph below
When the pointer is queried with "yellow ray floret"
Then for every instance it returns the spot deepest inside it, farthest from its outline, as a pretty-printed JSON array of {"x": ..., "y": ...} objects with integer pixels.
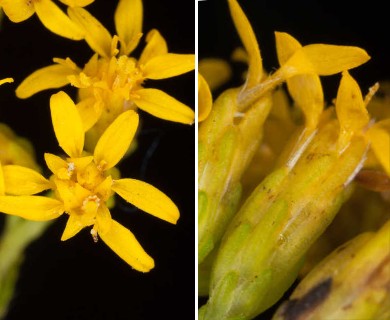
[
  {"x": 64, "y": 118},
  {"x": 129, "y": 34},
  {"x": 205, "y": 99},
  {"x": 36, "y": 208},
  {"x": 20, "y": 180},
  {"x": 305, "y": 89},
  {"x": 249, "y": 41}
]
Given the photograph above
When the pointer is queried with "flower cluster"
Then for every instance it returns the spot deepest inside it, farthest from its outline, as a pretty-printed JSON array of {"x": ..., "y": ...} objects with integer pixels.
[
  {"x": 273, "y": 175},
  {"x": 96, "y": 132},
  {"x": 112, "y": 81}
]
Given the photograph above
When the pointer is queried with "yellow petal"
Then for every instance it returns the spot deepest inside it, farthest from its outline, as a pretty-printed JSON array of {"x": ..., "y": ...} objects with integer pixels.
[
  {"x": 73, "y": 226},
  {"x": 305, "y": 89},
  {"x": 6, "y": 80},
  {"x": 147, "y": 198},
  {"x": 249, "y": 41},
  {"x": 17, "y": 10},
  {"x": 286, "y": 46},
  {"x": 77, "y": 3},
  {"x": 331, "y": 59},
  {"x": 325, "y": 59},
  {"x": 2, "y": 187},
  {"x": 72, "y": 194},
  {"x": 116, "y": 140},
  {"x": 155, "y": 46},
  {"x": 128, "y": 22},
  {"x": 103, "y": 220},
  {"x": 96, "y": 35},
  {"x": 163, "y": 106},
  {"x": 64, "y": 169},
  {"x": 54, "y": 76},
  {"x": 68, "y": 63},
  {"x": 103, "y": 190},
  {"x": 126, "y": 246},
  {"x": 215, "y": 71},
  {"x": 89, "y": 110},
  {"x": 67, "y": 124},
  {"x": 35, "y": 208},
  {"x": 20, "y": 180},
  {"x": 205, "y": 99},
  {"x": 350, "y": 107},
  {"x": 379, "y": 136},
  {"x": 55, "y": 163},
  {"x": 81, "y": 163},
  {"x": 168, "y": 65},
  {"x": 57, "y": 21}
]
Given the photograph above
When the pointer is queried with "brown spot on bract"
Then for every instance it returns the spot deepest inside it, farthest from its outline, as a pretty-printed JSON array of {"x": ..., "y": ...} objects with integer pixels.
[
  {"x": 373, "y": 180},
  {"x": 310, "y": 156},
  {"x": 295, "y": 309}
]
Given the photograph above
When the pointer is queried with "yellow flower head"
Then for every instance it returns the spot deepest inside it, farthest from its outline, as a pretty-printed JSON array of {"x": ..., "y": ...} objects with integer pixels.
[
  {"x": 112, "y": 81},
  {"x": 52, "y": 17},
  {"x": 82, "y": 184}
]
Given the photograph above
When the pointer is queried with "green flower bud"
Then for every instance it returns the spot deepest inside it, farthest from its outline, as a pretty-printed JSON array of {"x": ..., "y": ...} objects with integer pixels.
[{"x": 228, "y": 141}]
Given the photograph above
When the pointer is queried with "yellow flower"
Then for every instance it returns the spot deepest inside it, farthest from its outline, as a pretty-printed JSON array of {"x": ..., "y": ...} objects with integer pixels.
[
  {"x": 112, "y": 81},
  {"x": 82, "y": 184},
  {"x": 355, "y": 120},
  {"x": 49, "y": 13}
]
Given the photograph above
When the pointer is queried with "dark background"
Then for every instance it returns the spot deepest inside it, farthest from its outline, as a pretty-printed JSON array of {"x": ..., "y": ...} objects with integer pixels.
[
  {"x": 365, "y": 25},
  {"x": 78, "y": 279}
]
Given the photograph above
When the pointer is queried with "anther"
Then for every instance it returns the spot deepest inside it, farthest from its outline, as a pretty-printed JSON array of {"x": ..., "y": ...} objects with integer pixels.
[{"x": 94, "y": 235}]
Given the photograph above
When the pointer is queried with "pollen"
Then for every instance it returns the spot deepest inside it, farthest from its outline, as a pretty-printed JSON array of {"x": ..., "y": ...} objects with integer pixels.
[
  {"x": 71, "y": 168},
  {"x": 94, "y": 198},
  {"x": 94, "y": 235}
]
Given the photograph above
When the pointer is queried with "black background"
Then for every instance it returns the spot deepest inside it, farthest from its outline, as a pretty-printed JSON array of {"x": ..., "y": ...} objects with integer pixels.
[
  {"x": 78, "y": 279},
  {"x": 365, "y": 25}
]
